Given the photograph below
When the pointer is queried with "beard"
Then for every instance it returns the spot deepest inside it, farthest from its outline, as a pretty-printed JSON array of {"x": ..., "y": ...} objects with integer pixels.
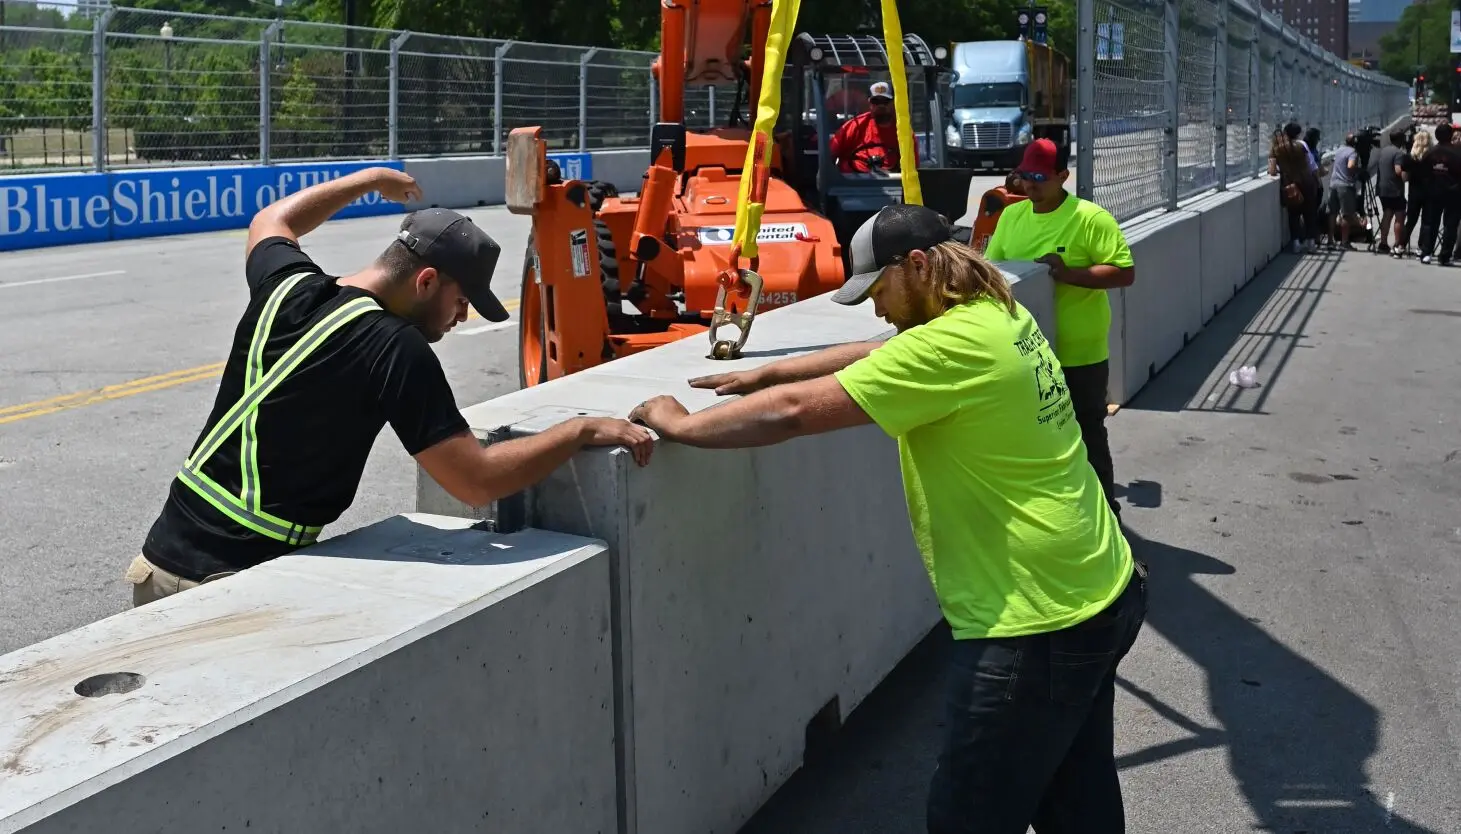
[
  {"x": 420, "y": 318},
  {"x": 882, "y": 118}
]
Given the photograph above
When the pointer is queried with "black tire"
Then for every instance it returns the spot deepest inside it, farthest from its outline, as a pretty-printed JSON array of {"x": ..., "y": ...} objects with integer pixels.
[{"x": 598, "y": 191}]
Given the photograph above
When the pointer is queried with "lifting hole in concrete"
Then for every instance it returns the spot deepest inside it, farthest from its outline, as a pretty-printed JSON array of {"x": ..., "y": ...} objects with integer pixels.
[{"x": 110, "y": 683}]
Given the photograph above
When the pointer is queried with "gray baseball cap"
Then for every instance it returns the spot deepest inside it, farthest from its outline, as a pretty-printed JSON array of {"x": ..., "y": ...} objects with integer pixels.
[
  {"x": 452, "y": 243},
  {"x": 893, "y": 232}
]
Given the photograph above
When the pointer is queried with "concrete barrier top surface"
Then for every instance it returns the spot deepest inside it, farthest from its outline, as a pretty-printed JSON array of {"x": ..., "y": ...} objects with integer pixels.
[
  {"x": 219, "y": 656},
  {"x": 615, "y": 388}
]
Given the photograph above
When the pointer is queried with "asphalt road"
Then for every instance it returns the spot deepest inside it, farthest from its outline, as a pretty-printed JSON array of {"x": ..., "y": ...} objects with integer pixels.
[{"x": 1298, "y": 671}]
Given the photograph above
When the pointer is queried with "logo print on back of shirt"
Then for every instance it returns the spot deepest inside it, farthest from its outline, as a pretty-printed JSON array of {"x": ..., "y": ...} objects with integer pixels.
[{"x": 1050, "y": 388}]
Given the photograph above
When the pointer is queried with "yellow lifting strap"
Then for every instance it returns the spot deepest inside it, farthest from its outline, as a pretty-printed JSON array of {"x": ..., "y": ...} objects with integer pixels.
[
  {"x": 893, "y": 42},
  {"x": 782, "y": 29}
]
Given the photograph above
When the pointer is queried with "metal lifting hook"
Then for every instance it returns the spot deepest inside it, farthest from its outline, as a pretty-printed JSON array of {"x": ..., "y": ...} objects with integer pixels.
[{"x": 725, "y": 348}]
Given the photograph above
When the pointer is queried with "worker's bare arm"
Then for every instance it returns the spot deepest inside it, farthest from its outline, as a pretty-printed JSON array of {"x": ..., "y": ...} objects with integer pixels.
[
  {"x": 300, "y": 213},
  {"x": 478, "y": 475},
  {"x": 771, "y": 416},
  {"x": 795, "y": 369}
]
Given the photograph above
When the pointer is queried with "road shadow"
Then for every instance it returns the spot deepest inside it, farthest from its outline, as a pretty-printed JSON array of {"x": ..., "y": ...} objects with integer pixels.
[
  {"x": 1297, "y": 739},
  {"x": 1262, "y": 326}
]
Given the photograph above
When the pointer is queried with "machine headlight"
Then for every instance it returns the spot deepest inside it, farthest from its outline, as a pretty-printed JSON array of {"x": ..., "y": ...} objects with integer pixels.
[
  {"x": 951, "y": 135},
  {"x": 1025, "y": 135}
]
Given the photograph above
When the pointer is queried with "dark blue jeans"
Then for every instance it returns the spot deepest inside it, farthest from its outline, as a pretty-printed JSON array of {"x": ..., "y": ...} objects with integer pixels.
[{"x": 1030, "y": 736}]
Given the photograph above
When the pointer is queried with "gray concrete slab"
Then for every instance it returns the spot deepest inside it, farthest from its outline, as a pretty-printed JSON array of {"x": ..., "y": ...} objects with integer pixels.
[{"x": 1298, "y": 671}]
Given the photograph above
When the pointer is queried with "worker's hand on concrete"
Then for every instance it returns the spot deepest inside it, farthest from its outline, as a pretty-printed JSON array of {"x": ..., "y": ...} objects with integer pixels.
[
  {"x": 610, "y": 431},
  {"x": 396, "y": 186},
  {"x": 1056, "y": 264},
  {"x": 659, "y": 413},
  {"x": 735, "y": 382}
]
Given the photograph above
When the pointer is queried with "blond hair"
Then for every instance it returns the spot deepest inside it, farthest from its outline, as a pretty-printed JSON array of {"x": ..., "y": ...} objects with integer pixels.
[
  {"x": 957, "y": 274},
  {"x": 1421, "y": 144}
]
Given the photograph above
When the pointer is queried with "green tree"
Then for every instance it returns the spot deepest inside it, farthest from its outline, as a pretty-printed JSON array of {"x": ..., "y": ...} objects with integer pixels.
[{"x": 1421, "y": 40}]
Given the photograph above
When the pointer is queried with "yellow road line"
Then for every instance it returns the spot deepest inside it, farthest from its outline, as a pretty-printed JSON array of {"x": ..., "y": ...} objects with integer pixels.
[{"x": 158, "y": 382}]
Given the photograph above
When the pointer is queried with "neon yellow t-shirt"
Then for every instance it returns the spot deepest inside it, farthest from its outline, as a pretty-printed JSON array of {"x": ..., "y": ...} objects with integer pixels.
[
  {"x": 1008, "y": 514},
  {"x": 1083, "y": 234}
]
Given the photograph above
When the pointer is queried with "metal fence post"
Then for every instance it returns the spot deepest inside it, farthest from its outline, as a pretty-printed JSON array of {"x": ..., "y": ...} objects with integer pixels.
[
  {"x": 266, "y": 86},
  {"x": 1255, "y": 97},
  {"x": 99, "y": 91},
  {"x": 1085, "y": 141},
  {"x": 653, "y": 99},
  {"x": 1173, "y": 102},
  {"x": 583, "y": 99},
  {"x": 393, "y": 105},
  {"x": 497, "y": 65},
  {"x": 1220, "y": 97}
]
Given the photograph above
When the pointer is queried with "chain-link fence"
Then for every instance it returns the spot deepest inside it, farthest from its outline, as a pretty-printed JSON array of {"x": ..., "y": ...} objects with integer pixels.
[
  {"x": 1181, "y": 96},
  {"x": 180, "y": 88},
  {"x": 1166, "y": 110}
]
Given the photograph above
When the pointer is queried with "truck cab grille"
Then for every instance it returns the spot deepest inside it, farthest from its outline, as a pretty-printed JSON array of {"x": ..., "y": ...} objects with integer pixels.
[{"x": 987, "y": 135}]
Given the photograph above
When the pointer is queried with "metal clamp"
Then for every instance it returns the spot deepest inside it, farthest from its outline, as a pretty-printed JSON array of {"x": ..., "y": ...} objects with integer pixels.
[{"x": 724, "y": 348}]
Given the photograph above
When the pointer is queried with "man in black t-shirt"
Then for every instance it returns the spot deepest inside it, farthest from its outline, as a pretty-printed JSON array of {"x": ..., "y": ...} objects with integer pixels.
[
  {"x": 319, "y": 364},
  {"x": 1442, "y": 166},
  {"x": 1389, "y": 165}
]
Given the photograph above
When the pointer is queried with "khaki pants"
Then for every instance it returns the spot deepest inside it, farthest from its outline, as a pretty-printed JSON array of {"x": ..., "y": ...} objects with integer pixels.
[{"x": 151, "y": 583}]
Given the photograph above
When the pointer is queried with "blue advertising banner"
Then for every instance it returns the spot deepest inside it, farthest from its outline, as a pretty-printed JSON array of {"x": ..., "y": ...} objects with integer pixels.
[
  {"x": 574, "y": 166},
  {"x": 52, "y": 210}
]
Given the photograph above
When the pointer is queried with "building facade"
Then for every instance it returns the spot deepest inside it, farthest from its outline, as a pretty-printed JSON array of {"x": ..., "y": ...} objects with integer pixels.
[{"x": 1326, "y": 22}]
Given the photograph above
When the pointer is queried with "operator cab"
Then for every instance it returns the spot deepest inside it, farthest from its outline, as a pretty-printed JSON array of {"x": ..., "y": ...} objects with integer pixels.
[{"x": 827, "y": 83}]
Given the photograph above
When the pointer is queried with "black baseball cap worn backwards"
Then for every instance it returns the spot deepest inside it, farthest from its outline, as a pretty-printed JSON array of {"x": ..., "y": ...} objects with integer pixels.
[
  {"x": 888, "y": 235},
  {"x": 453, "y": 244}
]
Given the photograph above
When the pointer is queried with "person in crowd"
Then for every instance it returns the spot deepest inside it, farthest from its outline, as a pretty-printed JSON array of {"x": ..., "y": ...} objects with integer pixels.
[
  {"x": 1344, "y": 201},
  {"x": 1442, "y": 174},
  {"x": 1030, "y": 567},
  {"x": 1088, "y": 255},
  {"x": 1389, "y": 164},
  {"x": 1414, "y": 176},
  {"x": 1291, "y": 162}
]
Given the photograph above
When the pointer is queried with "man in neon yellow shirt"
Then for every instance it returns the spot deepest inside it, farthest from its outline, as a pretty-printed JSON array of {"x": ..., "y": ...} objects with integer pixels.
[
  {"x": 1028, "y": 562},
  {"x": 1087, "y": 255}
]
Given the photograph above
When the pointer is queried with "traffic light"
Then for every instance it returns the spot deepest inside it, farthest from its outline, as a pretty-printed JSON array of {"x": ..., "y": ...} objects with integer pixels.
[
  {"x": 1032, "y": 21},
  {"x": 1455, "y": 82}
]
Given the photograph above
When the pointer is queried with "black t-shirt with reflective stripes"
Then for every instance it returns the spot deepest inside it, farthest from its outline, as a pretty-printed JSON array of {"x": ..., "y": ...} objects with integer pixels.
[{"x": 315, "y": 431}]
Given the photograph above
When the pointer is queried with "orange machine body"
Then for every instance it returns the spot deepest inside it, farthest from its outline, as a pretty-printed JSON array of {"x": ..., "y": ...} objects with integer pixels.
[
  {"x": 608, "y": 276},
  {"x": 986, "y": 218}
]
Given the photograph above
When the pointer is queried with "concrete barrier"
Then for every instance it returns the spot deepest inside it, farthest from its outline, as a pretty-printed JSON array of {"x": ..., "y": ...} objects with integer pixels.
[
  {"x": 1266, "y": 223},
  {"x": 470, "y": 181},
  {"x": 1223, "y": 265},
  {"x": 414, "y": 675},
  {"x": 760, "y": 595},
  {"x": 1153, "y": 319}
]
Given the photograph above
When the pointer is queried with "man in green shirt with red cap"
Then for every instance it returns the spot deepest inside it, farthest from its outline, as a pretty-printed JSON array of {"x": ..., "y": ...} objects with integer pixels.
[{"x": 1087, "y": 255}]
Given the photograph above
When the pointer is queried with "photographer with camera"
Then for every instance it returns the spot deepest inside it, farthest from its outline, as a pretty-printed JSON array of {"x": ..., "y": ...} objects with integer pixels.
[
  {"x": 1344, "y": 181},
  {"x": 1441, "y": 168}
]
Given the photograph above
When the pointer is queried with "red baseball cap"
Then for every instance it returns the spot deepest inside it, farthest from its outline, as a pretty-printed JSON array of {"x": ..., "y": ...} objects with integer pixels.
[{"x": 1039, "y": 158}]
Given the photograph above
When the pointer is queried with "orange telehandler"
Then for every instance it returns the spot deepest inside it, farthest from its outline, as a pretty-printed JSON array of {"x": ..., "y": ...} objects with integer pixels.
[{"x": 668, "y": 251}]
